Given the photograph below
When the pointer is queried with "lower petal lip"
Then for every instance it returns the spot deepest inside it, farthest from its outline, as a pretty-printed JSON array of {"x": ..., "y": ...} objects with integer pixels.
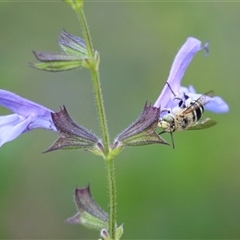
[
  {"x": 10, "y": 132},
  {"x": 214, "y": 104},
  {"x": 27, "y": 115},
  {"x": 217, "y": 105},
  {"x": 8, "y": 119}
]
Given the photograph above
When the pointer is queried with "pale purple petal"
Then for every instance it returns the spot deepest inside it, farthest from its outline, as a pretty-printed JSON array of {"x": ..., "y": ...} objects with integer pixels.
[
  {"x": 189, "y": 89},
  {"x": 9, "y": 132},
  {"x": 214, "y": 104},
  {"x": 11, "y": 119},
  {"x": 217, "y": 105},
  {"x": 43, "y": 122},
  {"x": 21, "y": 106},
  {"x": 28, "y": 115},
  {"x": 179, "y": 66},
  {"x": 167, "y": 99}
]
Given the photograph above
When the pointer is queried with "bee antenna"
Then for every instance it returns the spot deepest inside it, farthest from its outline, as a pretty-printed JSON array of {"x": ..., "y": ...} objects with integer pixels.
[
  {"x": 171, "y": 89},
  {"x": 172, "y": 140}
]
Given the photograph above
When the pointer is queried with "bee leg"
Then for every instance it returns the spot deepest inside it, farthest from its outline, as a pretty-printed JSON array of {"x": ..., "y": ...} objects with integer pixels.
[
  {"x": 174, "y": 94},
  {"x": 172, "y": 140},
  {"x": 161, "y": 132}
]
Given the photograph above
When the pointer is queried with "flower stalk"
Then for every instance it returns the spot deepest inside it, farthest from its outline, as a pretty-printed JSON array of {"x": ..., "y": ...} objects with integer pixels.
[
  {"x": 109, "y": 162},
  {"x": 95, "y": 80},
  {"x": 86, "y": 33}
]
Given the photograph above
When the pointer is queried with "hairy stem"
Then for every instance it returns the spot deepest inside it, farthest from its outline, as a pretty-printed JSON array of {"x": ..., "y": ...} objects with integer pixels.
[
  {"x": 112, "y": 196},
  {"x": 96, "y": 83},
  {"x": 86, "y": 32},
  {"x": 103, "y": 124}
]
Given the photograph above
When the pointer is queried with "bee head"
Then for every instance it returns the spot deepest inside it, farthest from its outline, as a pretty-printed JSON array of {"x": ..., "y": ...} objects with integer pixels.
[
  {"x": 163, "y": 124},
  {"x": 167, "y": 123}
]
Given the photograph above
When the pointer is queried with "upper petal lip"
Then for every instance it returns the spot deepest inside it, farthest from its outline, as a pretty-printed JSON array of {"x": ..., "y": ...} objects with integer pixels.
[
  {"x": 179, "y": 66},
  {"x": 22, "y": 106}
]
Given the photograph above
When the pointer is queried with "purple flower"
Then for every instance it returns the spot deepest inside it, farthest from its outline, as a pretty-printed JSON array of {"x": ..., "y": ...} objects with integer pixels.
[
  {"x": 27, "y": 116},
  {"x": 184, "y": 56}
]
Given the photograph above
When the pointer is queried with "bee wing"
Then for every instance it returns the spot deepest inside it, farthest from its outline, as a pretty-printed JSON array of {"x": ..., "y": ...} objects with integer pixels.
[
  {"x": 205, "y": 123},
  {"x": 202, "y": 100}
]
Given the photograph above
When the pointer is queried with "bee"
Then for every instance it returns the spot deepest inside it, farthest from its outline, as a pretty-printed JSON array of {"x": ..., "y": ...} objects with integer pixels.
[{"x": 187, "y": 115}]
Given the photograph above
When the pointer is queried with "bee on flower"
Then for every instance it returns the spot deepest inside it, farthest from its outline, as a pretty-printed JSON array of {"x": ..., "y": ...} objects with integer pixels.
[{"x": 181, "y": 107}]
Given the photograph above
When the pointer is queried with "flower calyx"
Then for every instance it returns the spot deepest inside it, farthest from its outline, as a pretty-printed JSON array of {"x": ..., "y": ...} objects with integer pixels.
[
  {"x": 142, "y": 131},
  {"x": 89, "y": 213},
  {"x": 73, "y": 136},
  {"x": 74, "y": 55}
]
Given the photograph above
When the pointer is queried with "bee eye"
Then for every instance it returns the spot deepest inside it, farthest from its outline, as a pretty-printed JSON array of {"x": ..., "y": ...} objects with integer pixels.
[
  {"x": 180, "y": 103},
  {"x": 171, "y": 120}
]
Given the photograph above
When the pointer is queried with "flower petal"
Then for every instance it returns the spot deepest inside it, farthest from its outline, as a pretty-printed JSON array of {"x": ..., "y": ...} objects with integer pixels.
[
  {"x": 25, "y": 108},
  {"x": 214, "y": 104},
  {"x": 179, "y": 66},
  {"x": 22, "y": 106},
  {"x": 43, "y": 122},
  {"x": 9, "y": 132},
  {"x": 11, "y": 119},
  {"x": 28, "y": 115},
  {"x": 217, "y": 105}
]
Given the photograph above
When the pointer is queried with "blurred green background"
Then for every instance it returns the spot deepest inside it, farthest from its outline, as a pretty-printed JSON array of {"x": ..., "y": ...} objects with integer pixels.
[{"x": 190, "y": 192}]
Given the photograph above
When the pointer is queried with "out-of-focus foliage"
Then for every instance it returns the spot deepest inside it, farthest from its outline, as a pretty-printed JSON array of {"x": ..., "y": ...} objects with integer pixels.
[{"x": 190, "y": 192}]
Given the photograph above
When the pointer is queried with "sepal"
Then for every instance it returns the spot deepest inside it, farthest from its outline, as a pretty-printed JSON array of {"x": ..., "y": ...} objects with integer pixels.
[
  {"x": 142, "y": 131},
  {"x": 89, "y": 213},
  {"x": 72, "y": 45},
  {"x": 74, "y": 55},
  {"x": 57, "y": 62},
  {"x": 119, "y": 232},
  {"x": 73, "y": 136}
]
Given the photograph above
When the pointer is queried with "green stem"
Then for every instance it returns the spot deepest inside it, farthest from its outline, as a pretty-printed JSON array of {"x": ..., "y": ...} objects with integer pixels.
[
  {"x": 103, "y": 124},
  {"x": 86, "y": 32},
  {"x": 101, "y": 111},
  {"x": 96, "y": 83},
  {"x": 112, "y": 196}
]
